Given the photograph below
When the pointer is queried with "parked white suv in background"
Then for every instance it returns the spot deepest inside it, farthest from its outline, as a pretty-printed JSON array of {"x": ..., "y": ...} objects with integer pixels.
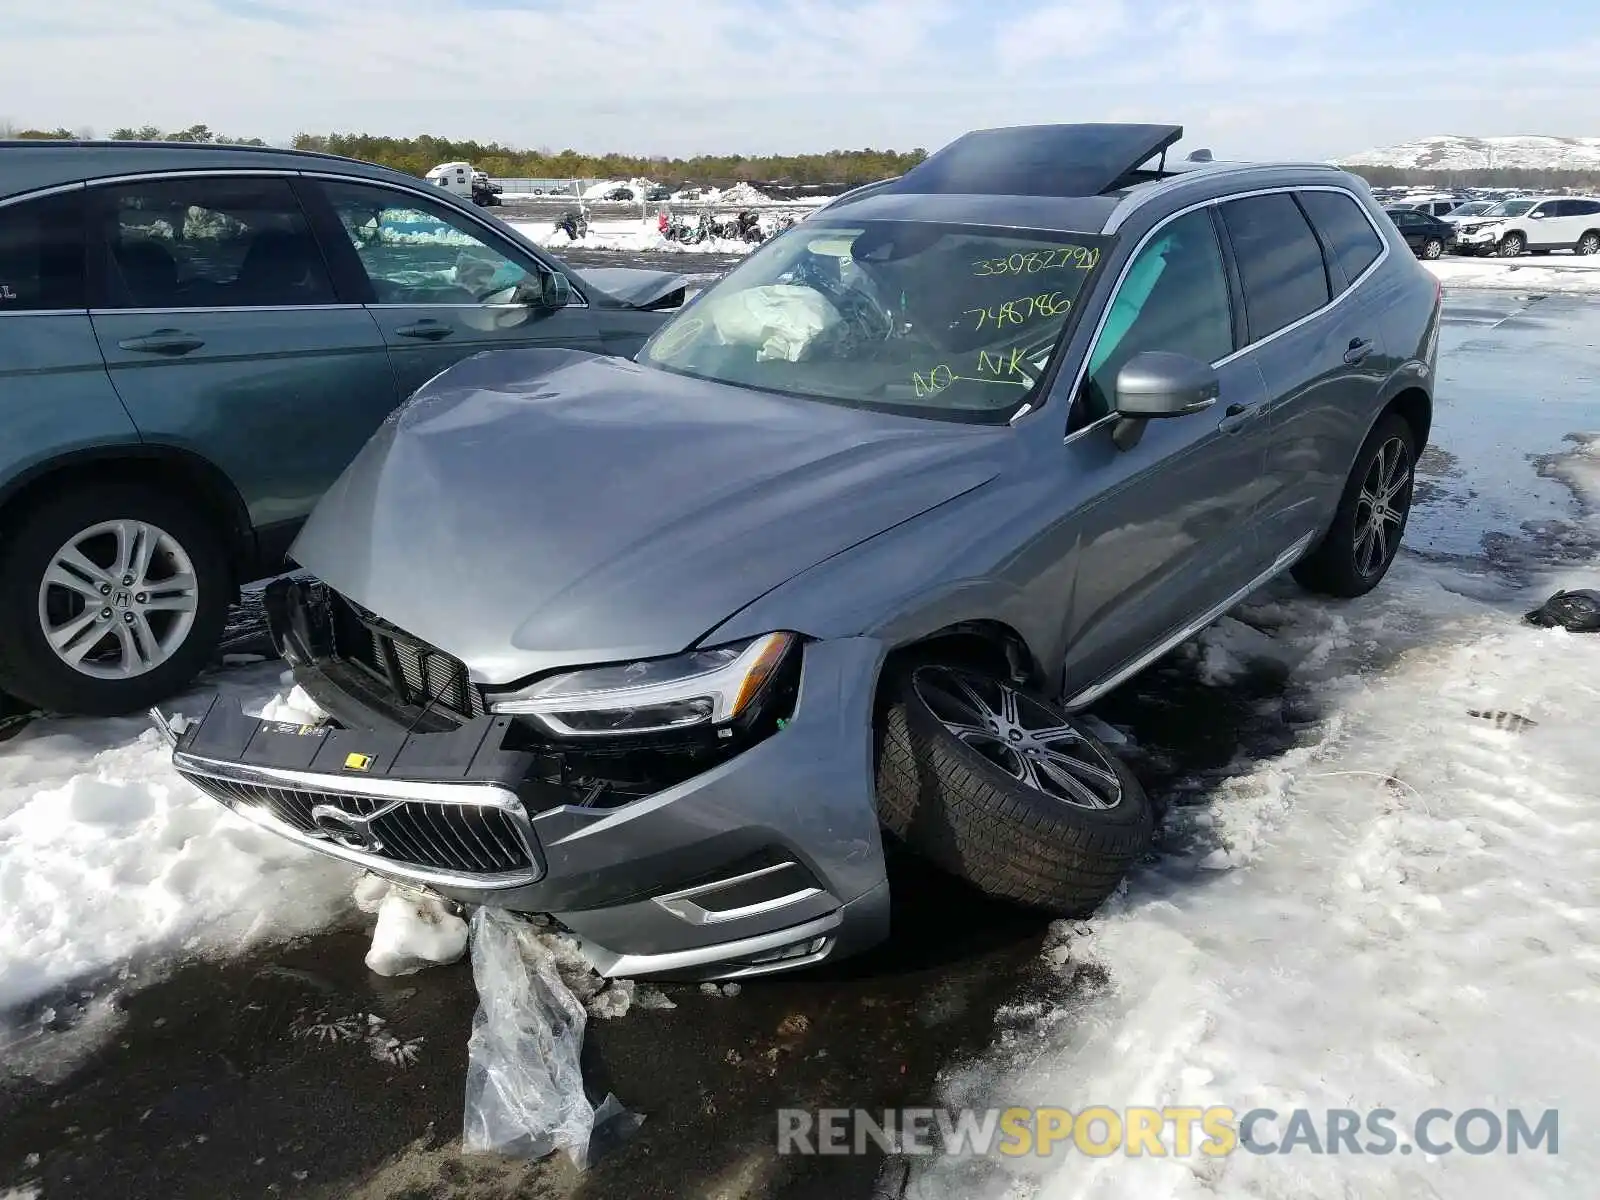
[{"x": 1539, "y": 224}]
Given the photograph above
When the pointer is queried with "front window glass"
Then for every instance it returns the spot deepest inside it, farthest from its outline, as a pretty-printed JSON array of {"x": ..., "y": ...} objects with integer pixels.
[
  {"x": 415, "y": 253},
  {"x": 1174, "y": 297},
  {"x": 1509, "y": 208},
  {"x": 951, "y": 321}
]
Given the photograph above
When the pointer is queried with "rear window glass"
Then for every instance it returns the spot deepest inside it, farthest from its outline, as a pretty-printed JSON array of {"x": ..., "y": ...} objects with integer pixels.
[
  {"x": 1345, "y": 228},
  {"x": 41, "y": 254},
  {"x": 1280, "y": 262},
  {"x": 210, "y": 242}
]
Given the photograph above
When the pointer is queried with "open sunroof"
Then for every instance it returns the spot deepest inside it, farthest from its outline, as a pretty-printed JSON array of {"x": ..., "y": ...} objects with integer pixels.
[{"x": 1039, "y": 160}]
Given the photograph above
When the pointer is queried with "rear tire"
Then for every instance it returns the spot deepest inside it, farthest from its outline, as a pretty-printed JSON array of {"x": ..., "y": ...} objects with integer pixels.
[
  {"x": 1589, "y": 243},
  {"x": 980, "y": 806},
  {"x": 164, "y": 625},
  {"x": 1359, "y": 547}
]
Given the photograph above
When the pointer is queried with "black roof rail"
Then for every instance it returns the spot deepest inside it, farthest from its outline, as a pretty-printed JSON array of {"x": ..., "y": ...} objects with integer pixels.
[{"x": 104, "y": 143}]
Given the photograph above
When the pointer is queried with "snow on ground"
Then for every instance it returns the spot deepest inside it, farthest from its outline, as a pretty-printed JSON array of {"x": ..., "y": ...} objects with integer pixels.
[
  {"x": 631, "y": 236},
  {"x": 1399, "y": 911},
  {"x": 108, "y": 859},
  {"x": 1556, "y": 273}
]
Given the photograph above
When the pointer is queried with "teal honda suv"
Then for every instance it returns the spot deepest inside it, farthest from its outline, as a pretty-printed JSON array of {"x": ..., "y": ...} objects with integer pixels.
[{"x": 194, "y": 342}]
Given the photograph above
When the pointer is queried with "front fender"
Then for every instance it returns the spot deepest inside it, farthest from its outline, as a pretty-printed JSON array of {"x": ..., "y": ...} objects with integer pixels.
[{"x": 966, "y": 560}]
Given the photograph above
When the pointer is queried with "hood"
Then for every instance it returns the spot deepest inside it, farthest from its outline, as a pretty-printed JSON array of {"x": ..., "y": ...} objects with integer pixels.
[
  {"x": 531, "y": 509},
  {"x": 632, "y": 286}
]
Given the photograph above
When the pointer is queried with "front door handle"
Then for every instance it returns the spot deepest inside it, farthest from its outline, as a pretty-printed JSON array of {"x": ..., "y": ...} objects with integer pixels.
[
  {"x": 1237, "y": 416},
  {"x": 1359, "y": 349},
  {"x": 428, "y": 331},
  {"x": 163, "y": 341}
]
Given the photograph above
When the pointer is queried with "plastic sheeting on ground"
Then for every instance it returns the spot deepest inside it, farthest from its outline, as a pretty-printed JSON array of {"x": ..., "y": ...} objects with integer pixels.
[{"x": 525, "y": 1094}]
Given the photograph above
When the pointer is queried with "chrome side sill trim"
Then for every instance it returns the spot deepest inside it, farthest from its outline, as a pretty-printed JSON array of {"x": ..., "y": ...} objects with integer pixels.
[
  {"x": 619, "y": 966},
  {"x": 1280, "y": 564}
]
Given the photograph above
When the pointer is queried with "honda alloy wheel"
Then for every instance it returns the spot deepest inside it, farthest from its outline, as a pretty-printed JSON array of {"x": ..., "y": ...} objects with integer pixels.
[
  {"x": 999, "y": 786},
  {"x": 1589, "y": 243},
  {"x": 118, "y": 600},
  {"x": 114, "y": 596}
]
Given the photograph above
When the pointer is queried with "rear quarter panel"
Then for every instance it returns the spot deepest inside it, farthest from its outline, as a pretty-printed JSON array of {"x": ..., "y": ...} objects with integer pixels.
[{"x": 55, "y": 396}]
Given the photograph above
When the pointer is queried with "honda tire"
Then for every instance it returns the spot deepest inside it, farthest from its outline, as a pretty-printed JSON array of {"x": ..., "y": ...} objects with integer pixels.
[{"x": 113, "y": 596}]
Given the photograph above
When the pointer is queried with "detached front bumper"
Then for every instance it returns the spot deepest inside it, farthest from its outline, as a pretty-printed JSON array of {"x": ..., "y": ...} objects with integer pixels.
[{"x": 768, "y": 861}]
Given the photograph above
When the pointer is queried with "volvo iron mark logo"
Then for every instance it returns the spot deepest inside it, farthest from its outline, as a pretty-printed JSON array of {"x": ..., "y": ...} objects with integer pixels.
[{"x": 345, "y": 829}]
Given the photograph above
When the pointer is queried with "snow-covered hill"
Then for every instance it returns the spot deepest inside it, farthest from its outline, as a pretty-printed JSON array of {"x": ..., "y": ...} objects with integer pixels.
[{"x": 1450, "y": 152}]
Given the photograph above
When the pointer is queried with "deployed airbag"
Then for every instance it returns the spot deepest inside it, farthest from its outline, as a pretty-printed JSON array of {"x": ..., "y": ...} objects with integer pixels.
[{"x": 781, "y": 319}]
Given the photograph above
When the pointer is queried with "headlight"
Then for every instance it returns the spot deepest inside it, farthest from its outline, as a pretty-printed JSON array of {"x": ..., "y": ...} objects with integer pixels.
[{"x": 702, "y": 687}]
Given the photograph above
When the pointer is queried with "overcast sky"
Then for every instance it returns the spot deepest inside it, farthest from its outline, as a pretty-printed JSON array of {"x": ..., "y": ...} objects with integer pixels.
[{"x": 1248, "y": 78}]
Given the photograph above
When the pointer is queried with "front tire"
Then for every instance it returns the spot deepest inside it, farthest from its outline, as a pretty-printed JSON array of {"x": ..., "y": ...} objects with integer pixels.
[
  {"x": 999, "y": 787},
  {"x": 1359, "y": 547},
  {"x": 113, "y": 596},
  {"x": 1511, "y": 245},
  {"x": 1432, "y": 248}
]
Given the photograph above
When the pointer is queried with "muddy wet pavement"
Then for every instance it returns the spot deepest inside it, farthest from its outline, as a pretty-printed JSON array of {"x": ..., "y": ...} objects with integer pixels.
[{"x": 217, "y": 1083}]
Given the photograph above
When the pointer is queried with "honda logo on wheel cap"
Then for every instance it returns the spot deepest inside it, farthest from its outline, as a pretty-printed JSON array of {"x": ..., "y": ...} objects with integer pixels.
[{"x": 346, "y": 829}]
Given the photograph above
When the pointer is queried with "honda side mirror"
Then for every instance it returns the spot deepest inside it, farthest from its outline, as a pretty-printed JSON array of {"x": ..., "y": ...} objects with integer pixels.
[{"x": 551, "y": 290}]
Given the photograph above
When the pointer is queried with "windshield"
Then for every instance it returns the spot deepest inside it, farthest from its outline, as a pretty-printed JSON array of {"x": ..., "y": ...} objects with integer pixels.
[
  {"x": 1508, "y": 208},
  {"x": 950, "y": 321},
  {"x": 1470, "y": 209}
]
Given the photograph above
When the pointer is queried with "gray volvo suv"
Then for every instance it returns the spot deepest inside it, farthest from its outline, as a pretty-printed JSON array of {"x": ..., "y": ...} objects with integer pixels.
[{"x": 663, "y": 647}]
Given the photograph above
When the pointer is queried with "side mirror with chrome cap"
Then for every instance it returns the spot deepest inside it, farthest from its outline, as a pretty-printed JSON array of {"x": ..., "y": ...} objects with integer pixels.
[{"x": 1155, "y": 384}]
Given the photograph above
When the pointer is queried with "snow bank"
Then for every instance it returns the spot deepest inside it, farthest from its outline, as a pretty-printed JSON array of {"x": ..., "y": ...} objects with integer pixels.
[
  {"x": 108, "y": 858},
  {"x": 1553, "y": 274},
  {"x": 1399, "y": 911},
  {"x": 599, "y": 191},
  {"x": 633, "y": 236}
]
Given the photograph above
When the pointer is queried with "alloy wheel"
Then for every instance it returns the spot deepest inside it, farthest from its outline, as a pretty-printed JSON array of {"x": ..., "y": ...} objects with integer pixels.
[
  {"x": 118, "y": 599},
  {"x": 1511, "y": 245},
  {"x": 1021, "y": 735},
  {"x": 1590, "y": 244},
  {"x": 1432, "y": 248},
  {"x": 1381, "y": 507}
]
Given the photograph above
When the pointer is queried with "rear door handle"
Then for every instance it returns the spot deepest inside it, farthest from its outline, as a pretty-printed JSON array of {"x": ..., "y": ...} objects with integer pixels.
[
  {"x": 1359, "y": 349},
  {"x": 163, "y": 341},
  {"x": 428, "y": 331}
]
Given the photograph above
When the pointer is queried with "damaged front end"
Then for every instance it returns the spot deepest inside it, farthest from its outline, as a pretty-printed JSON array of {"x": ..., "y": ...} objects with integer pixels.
[{"x": 709, "y": 837}]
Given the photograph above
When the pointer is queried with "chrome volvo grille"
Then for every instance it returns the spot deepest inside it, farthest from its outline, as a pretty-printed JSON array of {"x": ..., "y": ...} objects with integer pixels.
[{"x": 456, "y": 838}]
